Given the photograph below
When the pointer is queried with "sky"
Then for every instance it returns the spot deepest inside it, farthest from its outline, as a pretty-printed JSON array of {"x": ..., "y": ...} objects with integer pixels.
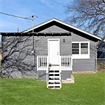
[{"x": 44, "y": 9}]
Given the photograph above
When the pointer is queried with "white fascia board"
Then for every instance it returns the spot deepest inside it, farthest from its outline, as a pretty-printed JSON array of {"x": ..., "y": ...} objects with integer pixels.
[{"x": 65, "y": 25}]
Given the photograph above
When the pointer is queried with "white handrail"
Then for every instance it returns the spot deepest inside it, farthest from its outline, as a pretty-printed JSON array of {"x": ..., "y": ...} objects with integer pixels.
[
  {"x": 42, "y": 62},
  {"x": 65, "y": 63}
]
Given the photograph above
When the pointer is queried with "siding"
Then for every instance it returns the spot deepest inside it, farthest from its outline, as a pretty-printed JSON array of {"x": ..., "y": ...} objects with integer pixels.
[
  {"x": 42, "y": 48},
  {"x": 54, "y": 29},
  {"x": 42, "y": 75},
  {"x": 85, "y": 64},
  {"x": 66, "y": 74}
]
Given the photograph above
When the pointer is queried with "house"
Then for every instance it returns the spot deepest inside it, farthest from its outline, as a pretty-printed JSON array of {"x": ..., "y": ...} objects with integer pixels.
[{"x": 50, "y": 51}]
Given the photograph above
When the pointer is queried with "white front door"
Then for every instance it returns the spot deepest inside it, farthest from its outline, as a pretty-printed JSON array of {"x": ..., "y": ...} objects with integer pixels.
[{"x": 53, "y": 51}]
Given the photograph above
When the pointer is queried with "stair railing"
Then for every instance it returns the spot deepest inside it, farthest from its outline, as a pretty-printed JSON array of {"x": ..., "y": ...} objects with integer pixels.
[
  {"x": 60, "y": 72},
  {"x": 66, "y": 62},
  {"x": 42, "y": 62}
]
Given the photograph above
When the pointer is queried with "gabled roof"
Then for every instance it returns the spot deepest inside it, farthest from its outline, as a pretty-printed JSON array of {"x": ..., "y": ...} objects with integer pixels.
[{"x": 62, "y": 23}]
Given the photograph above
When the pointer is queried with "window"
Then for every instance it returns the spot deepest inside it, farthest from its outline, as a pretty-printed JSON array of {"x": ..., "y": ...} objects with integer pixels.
[{"x": 81, "y": 49}]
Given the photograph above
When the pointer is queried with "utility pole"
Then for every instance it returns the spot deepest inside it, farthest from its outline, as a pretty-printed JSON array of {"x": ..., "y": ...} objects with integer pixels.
[{"x": 32, "y": 18}]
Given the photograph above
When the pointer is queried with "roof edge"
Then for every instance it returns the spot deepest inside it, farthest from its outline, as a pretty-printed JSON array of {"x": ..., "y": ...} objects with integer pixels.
[{"x": 54, "y": 19}]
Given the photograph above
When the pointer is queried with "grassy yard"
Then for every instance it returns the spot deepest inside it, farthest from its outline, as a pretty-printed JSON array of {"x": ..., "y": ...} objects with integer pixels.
[{"x": 88, "y": 89}]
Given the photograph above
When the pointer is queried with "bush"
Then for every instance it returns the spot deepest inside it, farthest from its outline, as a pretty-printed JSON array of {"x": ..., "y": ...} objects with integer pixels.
[{"x": 101, "y": 64}]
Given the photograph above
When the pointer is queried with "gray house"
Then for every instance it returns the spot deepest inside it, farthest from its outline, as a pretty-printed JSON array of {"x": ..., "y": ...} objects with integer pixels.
[{"x": 50, "y": 51}]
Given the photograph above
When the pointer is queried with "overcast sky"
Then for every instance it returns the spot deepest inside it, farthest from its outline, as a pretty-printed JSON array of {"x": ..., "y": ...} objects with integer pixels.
[{"x": 44, "y": 9}]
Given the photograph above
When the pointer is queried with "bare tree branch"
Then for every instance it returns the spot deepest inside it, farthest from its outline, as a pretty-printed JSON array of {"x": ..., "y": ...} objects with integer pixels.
[{"x": 88, "y": 15}]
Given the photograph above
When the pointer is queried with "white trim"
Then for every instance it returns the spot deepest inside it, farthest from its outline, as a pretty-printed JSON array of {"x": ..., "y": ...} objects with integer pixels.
[
  {"x": 63, "y": 24},
  {"x": 81, "y": 56},
  {"x": 69, "y": 68},
  {"x": 60, "y": 67},
  {"x": 42, "y": 68}
]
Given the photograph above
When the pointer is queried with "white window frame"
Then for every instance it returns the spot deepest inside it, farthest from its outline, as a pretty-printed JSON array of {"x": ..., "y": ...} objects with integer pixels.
[{"x": 81, "y": 56}]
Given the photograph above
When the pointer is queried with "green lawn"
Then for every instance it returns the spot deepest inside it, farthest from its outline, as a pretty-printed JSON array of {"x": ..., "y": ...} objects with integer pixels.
[{"x": 88, "y": 89}]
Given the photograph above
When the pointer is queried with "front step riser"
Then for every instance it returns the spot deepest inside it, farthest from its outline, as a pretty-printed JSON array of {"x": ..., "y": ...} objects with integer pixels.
[{"x": 54, "y": 81}]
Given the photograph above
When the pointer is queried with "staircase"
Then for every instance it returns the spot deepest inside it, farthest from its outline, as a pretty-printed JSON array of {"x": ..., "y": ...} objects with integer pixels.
[
  {"x": 53, "y": 72},
  {"x": 54, "y": 77}
]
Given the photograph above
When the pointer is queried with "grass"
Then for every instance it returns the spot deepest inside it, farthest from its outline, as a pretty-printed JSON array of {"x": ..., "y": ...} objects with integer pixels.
[{"x": 88, "y": 89}]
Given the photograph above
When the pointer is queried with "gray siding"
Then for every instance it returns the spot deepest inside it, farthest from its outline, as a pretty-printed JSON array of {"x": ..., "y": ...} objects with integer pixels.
[
  {"x": 29, "y": 70},
  {"x": 42, "y": 48},
  {"x": 42, "y": 75},
  {"x": 20, "y": 63},
  {"x": 65, "y": 47},
  {"x": 85, "y": 64},
  {"x": 54, "y": 29},
  {"x": 66, "y": 74}
]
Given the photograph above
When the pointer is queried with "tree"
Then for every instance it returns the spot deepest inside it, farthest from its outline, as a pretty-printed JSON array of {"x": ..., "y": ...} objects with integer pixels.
[
  {"x": 17, "y": 52},
  {"x": 88, "y": 15}
]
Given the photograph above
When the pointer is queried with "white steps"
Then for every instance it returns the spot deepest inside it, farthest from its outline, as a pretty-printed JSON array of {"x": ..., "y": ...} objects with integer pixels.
[
  {"x": 54, "y": 81},
  {"x": 54, "y": 68},
  {"x": 54, "y": 73},
  {"x": 54, "y": 78},
  {"x": 54, "y": 84}
]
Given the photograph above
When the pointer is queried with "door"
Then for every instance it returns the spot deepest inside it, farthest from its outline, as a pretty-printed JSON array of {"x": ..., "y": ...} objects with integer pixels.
[{"x": 53, "y": 51}]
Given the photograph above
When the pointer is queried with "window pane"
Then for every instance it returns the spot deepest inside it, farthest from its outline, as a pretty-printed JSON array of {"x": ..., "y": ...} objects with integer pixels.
[
  {"x": 84, "y": 48},
  {"x": 75, "y": 51},
  {"x": 84, "y": 45},
  {"x": 75, "y": 45},
  {"x": 75, "y": 48}
]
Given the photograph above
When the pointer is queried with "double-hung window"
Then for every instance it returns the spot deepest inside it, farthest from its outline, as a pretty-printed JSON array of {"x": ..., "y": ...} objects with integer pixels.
[{"x": 81, "y": 49}]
